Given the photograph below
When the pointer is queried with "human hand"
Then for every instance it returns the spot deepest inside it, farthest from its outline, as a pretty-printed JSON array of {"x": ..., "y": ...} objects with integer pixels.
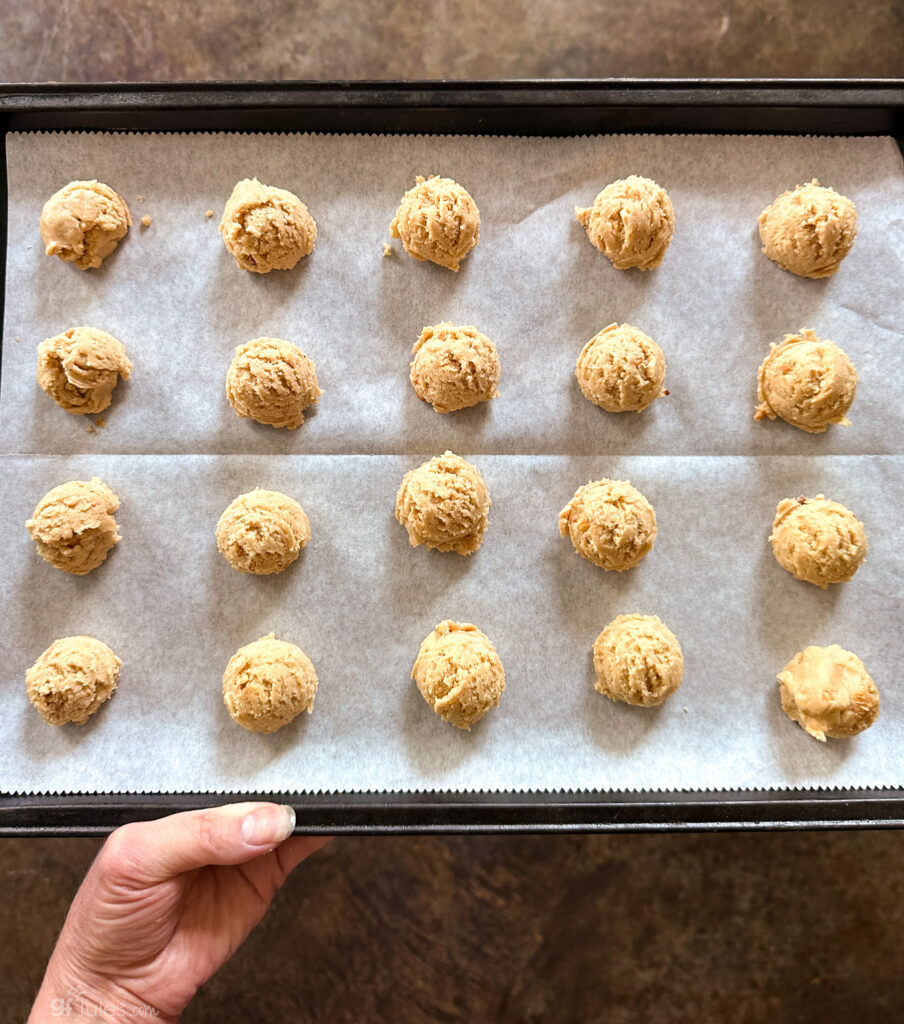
[{"x": 164, "y": 905}]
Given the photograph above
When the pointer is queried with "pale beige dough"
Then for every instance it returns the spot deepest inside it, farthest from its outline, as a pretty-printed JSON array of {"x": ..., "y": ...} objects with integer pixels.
[
  {"x": 83, "y": 223},
  {"x": 437, "y": 221},
  {"x": 444, "y": 504},
  {"x": 454, "y": 367},
  {"x": 807, "y": 382},
  {"x": 266, "y": 228},
  {"x": 828, "y": 692},
  {"x": 631, "y": 221},
  {"x": 817, "y": 540},
  {"x": 610, "y": 523},
  {"x": 638, "y": 660},
  {"x": 809, "y": 230},
  {"x": 268, "y": 683},
  {"x": 459, "y": 673},
  {"x": 621, "y": 369},
  {"x": 273, "y": 382},
  {"x": 73, "y": 526},
  {"x": 80, "y": 369},
  {"x": 262, "y": 532},
  {"x": 71, "y": 679}
]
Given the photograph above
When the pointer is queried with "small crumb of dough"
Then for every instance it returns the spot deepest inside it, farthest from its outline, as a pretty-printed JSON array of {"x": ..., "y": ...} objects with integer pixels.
[
  {"x": 809, "y": 230},
  {"x": 272, "y": 382},
  {"x": 459, "y": 673},
  {"x": 145, "y": 221},
  {"x": 71, "y": 679},
  {"x": 638, "y": 661},
  {"x": 73, "y": 526},
  {"x": 454, "y": 367},
  {"x": 828, "y": 692},
  {"x": 437, "y": 221},
  {"x": 631, "y": 221},
  {"x": 262, "y": 532},
  {"x": 817, "y": 540},
  {"x": 444, "y": 505},
  {"x": 268, "y": 683},
  {"x": 621, "y": 369},
  {"x": 80, "y": 368},
  {"x": 209, "y": 214},
  {"x": 610, "y": 523},
  {"x": 266, "y": 228},
  {"x": 83, "y": 223},
  {"x": 807, "y": 382},
  {"x": 387, "y": 249}
]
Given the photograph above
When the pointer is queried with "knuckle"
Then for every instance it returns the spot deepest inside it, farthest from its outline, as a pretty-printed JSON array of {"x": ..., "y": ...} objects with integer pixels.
[{"x": 120, "y": 857}]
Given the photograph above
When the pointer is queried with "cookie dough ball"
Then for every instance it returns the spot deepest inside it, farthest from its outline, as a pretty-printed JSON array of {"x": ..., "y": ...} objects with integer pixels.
[
  {"x": 621, "y": 369},
  {"x": 638, "y": 660},
  {"x": 444, "y": 504},
  {"x": 828, "y": 692},
  {"x": 83, "y": 223},
  {"x": 262, "y": 532},
  {"x": 266, "y": 228},
  {"x": 807, "y": 382},
  {"x": 610, "y": 523},
  {"x": 631, "y": 221},
  {"x": 71, "y": 679},
  {"x": 809, "y": 230},
  {"x": 80, "y": 368},
  {"x": 73, "y": 526},
  {"x": 268, "y": 683},
  {"x": 817, "y": 540},
  {"x": 272, "y": 382},
  {"x": 437, "y": 221},
  {"x": 454, "y": 367},
  {"x": 459, "y": 673}
]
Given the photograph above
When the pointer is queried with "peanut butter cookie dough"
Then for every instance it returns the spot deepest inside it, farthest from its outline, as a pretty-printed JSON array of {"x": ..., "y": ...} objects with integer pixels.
[
  {"x": 272, "y": 382},
  {"x": 444, "y": 505},
  {"x": 83, "y": 223},
  {"x": 262, "y": 532},
  {"x": 73, "y": 526},
  {"x": 80, "y": 369},
  {"x": 266, "y": 228},
  {"x": 268, "y": 683},
  {"x": 808, "y": 382},
  {"x": 459, "y": 673},
  {"x": 621, "y": 369},
  {"x": 828, "y": 692},
  {"x": 809, "y": 230},
  {"x": 610, "y": 523},
  {"x": 631, "y": 222},
  {"x": 638, "y": 660},
  {"x": 71, "y": 679},
  {"x": 817, "y": 540},
  {"x": 437, "y": 221},
  {"x": 454, "y": 367}
]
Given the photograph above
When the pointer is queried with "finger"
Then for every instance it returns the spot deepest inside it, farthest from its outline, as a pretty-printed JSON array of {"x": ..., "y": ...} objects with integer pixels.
[{"x": 293, "y": 851}]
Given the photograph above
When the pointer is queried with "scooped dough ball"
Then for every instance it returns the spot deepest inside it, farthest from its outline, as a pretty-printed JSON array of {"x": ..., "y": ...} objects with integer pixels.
[
  {"x": 83, "y": 223},
  {"x": 272, "y": 382},
  {"x": 828, "y": 692},
  {"x": 71, "y": 679},
  {"x": 809, "y": 230},
  {"x": 817, "y": 540},
  {"x": 621, "y": 369},
  {"x": 808, "y": 382},
  {"x": 459, "y": 673},
  {"x": 80, "y": 368},
  {"x": 631, "y": 221},
  {"x": 454, "y": 367},
  {"x": 266, "y": 228},
  {"x": 73, "y": 526},
  {"x": 610, "y": 523},
  {"x": 262, "y": 532},
  {"x": 444, "y": 504},
  {"x": 638, "y": 660},
  {"x": 268, "y": 683},
  {"x": 437, "y": 221}
]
